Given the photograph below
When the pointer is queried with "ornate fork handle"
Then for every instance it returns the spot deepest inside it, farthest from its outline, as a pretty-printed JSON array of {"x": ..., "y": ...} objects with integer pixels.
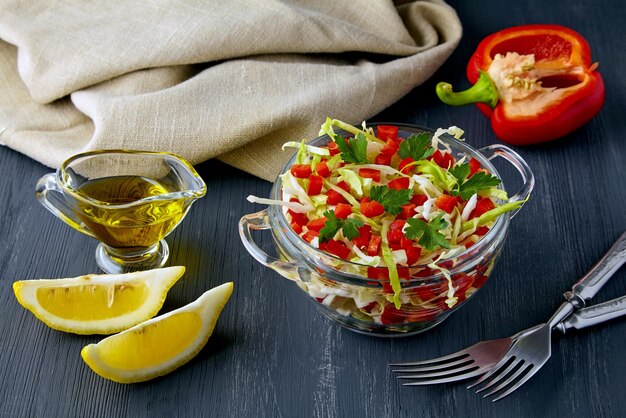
[
  {"x": 594, "y": 315},
  {"x": 589, "y": 285}
]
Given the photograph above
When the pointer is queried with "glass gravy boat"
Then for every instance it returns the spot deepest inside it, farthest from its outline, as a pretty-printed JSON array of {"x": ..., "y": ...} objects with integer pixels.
[{"x": 128, "y": 200}]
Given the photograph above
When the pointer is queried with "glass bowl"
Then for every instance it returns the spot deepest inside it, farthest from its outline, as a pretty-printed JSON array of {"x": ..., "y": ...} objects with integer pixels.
[{"x": 359, "y": 297}]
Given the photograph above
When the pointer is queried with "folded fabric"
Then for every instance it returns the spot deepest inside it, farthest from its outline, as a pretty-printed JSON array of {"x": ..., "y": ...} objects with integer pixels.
[{"x": 207, "y": 78}]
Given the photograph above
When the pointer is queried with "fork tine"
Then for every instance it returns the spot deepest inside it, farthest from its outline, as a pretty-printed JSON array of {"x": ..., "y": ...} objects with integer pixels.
[
  {"x": 441, "y": 373},
  {"x": 532, "y": 369},
  {"x": 450, "y": 357},
  {"x": 491, "y": 372},
  {"x": 443, "y": 367},
  {"x": 444, "y": 379},
  {"x": 514, "y": 376},
  {"x": 502, "y": 373}
]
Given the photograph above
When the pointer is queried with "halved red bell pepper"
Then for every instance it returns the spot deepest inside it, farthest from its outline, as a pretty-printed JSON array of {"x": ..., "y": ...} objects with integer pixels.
[{"x": 535, "y": 82}]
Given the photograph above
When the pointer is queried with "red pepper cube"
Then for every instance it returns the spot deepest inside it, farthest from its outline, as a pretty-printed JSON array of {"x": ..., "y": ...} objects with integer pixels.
[
  {"x": 408, "y": 211},
  {"x": 343, "y": 210},
  {"x": 296, "y": 227},
  {"x": 446, "y": 203},
  {"x": 419, "y": 199},
  {"x": 481, "y": 230},
  {"x": 337, "y": 248},
  {"x": 365, "y": 233},
  {"x": 390, "y": 148},
  {"x": 402, "y": 166},
  {"x": 395, "y": 234},
  {"x": 467, "y": 244},
  {"x": 374, "y": 245},
  {"x": 442, "y": 159},
  {"x": 301, "y": 171},
  {"x": 298, "y": 218},
  {"x": 315, "y": 185},
  {"x": 430, "y": 292},
  {"x": 322, "y": 169},
  {"x": 392, "y": 315},
  {"x": 401, "y": 183},
  {"x": 484, "y": 204},
  {"x": 378, "y": 273},
  {"x": 344, "y": 186},
  {"x": 474, "y": 166},
  {"x": 333, "y": 148},
  {"x": 309, "y": 235},
  {"x": 386, "y": 132},
  {"x": 412, "y": 254},
  {"x": 334, "y": 197},
  {"x": 479, "y": 281},
  {"x": 370, "y": 173},
  {"x": 317, "y": 224},
  {"x": 382, "y": 159},
  {"x": 372, "y": 209}
]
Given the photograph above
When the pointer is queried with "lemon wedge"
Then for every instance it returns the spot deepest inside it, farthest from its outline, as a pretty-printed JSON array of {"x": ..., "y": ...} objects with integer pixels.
[
  {"x": 97, "y": 304},
  {"x": 160, "y": 345}
]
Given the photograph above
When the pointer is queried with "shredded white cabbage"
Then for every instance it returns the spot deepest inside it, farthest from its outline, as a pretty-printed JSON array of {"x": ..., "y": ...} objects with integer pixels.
[{"x": 469, "y": 207}]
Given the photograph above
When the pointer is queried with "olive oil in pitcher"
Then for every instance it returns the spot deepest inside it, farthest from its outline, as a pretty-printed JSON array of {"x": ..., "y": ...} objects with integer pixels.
[{"x": 133, "y": 219}]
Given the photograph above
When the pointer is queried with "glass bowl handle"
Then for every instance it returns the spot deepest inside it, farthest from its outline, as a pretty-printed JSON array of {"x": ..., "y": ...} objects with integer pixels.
[
  {"x": 56, "y": 204},
  {"x": 260, "y": 221},
  {"x": 528, "y": 178}
]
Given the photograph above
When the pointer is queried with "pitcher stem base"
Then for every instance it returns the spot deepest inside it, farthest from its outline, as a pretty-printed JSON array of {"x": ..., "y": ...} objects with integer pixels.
[{"x": 118, "y": 262}]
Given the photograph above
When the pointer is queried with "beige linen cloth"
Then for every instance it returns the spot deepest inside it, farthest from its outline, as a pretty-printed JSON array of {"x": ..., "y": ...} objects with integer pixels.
[{"x": 232, "y": 79}]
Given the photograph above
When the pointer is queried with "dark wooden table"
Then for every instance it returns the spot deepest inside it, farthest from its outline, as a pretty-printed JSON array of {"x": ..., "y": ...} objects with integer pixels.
[{"x": 273, "y": 355}]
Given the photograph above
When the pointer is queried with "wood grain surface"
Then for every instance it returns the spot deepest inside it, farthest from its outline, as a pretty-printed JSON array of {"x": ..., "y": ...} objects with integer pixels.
[{"x": 273, "y": 355}]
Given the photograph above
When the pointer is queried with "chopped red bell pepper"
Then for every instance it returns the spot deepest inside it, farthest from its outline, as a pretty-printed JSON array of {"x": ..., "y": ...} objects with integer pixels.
[
  {"x": 343, "y": 210},
  {"x": 322, "y": 169},
  {"x": 333, "y": 148},
  {"x": 365, "y": 234},
  {"x": 374, "y": 245},
  {"x": 402, "y": 166},
  {"x": 337, "y": 248},
  {"x": 301, "y": 171},
  {"x": 484, "y": 204},
  {"x": 535, "y": 82},
  {"x": 400, "y": 183},
  {"x": 334, "y": 197},
  {"x": 474, "y": 166},
  {"x": 446, "y": 203},
  {"x": 317, "y": 224},
  {"x": 442, "y": 159},
  {"x": 390, "y": 148},
  {"x": 315, "y": 185},
  {"x": 395, "y": 234},
  {"x": 419, "y": 199},
  {"x": 382, "y": 159},
  {"x": 386, "y": 132},
  {"x": 370, "y": 173},
  {"x": 372, "y": 208}
]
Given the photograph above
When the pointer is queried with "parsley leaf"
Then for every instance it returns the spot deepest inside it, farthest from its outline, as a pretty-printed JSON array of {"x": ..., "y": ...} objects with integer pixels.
[
  {"x": 467, "y": 187},
  {"x": 334, "y": 224},
  {"x": 353, "y": 150},
  {"x": 427, "y": 232},
  {"x": 350, "y": 228},
  {"x": 391, "y": 199},
  {"x": 417, "y": 147},
  {"x": 460, "y": 172}
]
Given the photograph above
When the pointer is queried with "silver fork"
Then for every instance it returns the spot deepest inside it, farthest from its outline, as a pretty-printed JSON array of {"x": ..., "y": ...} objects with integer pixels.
[
  {"x": 484, "y": 356},
  {"x": 531, "y": 351}
]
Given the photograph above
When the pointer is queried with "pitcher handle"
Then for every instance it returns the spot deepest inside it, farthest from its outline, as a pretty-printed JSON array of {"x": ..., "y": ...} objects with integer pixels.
[
  {"x": 528, "y": 178},
  {"x": 260, "y": 221},
  {"x": 50, "y": 196}
]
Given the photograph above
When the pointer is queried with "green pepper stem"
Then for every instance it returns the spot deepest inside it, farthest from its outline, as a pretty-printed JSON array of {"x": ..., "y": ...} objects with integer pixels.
[{"x": 484, "y": 91}]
